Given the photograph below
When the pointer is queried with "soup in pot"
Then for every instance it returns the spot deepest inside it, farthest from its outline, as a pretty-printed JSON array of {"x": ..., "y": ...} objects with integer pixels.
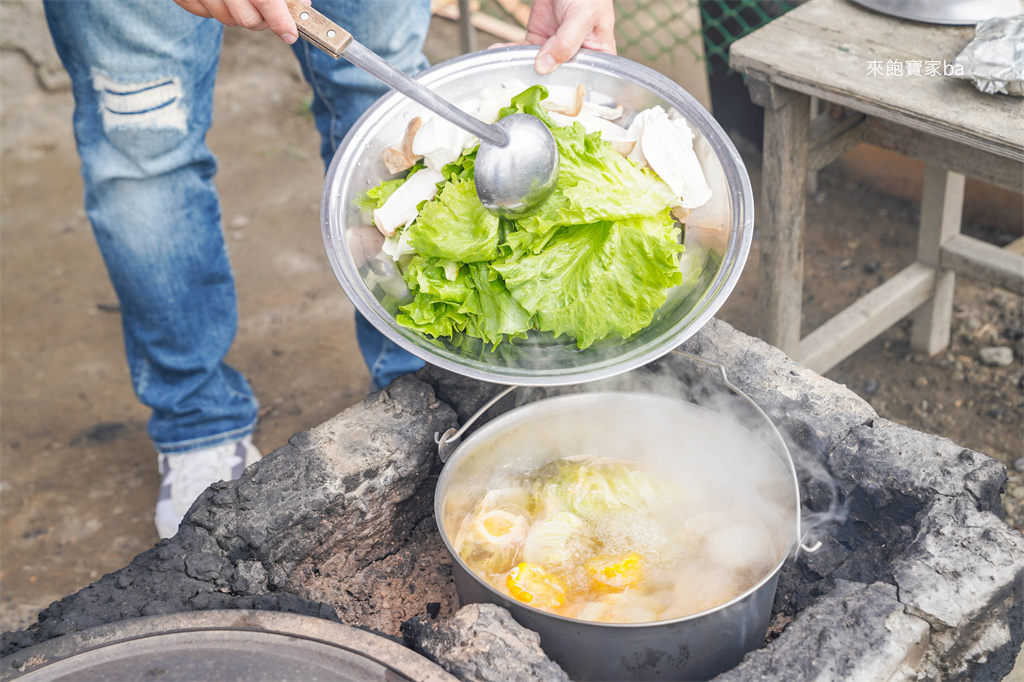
[{"x": 611, "y": 540}]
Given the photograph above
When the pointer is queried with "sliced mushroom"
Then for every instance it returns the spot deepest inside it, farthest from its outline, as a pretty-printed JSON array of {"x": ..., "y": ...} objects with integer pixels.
[
  {"x": 398, "y": 159},
  {"x": 681, "y": 214},
  {"x": 624, "y": 147},
  {"x": 571, "y": 105},
  {"x": 601, "y": 111},
  {"x": 668, "y": 147}
]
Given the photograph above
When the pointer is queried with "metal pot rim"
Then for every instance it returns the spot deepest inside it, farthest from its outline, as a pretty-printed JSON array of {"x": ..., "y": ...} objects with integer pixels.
[{"x": 497, "y": 424}]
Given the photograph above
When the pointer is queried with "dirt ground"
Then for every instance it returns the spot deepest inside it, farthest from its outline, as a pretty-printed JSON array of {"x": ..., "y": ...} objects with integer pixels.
[{"x": 79, "y": 476}]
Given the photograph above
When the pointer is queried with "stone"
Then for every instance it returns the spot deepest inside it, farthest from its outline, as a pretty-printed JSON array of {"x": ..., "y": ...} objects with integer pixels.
[
  {"x": 892, "y": 464},
  {"x": 921, "y": 382},
  {"x": 996, "y": 356},
  {"x": 856, "y": 632},
  {"x": 249, "y": 578},
  {"x": 482, "y": 643},
  {"x": 968, "y": 598},
  {"x": 1004, "y": 301},
  {"x": 1018, "y": 464},
  {"x": 353, "y": 483}
]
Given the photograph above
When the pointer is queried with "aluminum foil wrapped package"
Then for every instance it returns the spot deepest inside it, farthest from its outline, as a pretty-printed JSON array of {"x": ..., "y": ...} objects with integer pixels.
[{"x": 994, "y": 60}]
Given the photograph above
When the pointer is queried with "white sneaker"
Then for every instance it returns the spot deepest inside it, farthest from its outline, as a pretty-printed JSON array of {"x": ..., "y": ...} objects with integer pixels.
[{"x": 187, "y": 475}]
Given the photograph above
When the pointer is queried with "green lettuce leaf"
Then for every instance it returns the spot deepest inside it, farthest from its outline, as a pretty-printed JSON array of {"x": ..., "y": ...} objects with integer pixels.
[
  {"x": 591, "y": 281},
  {"x": 528, "y": 102},
  {"x": 461, "y": 168},
  {"x": 454, "y": 225},
  {"x": 494, "y": 314},
  {"x": 596, "y": 183},
  {"x": 475, "y": 302},
  {"x": 437, "y": 299}
]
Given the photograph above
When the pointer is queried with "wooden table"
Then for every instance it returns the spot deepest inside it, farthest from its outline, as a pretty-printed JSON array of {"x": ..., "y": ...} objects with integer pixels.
[{"x": 839, "y": 52}]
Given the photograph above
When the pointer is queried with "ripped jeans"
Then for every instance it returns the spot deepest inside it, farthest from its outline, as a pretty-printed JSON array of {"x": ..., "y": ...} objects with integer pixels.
[{"x": 142, "y": 73}]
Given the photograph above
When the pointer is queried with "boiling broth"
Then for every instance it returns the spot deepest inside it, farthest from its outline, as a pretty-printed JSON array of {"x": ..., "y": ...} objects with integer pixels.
[{"x": 614, "y": 541}]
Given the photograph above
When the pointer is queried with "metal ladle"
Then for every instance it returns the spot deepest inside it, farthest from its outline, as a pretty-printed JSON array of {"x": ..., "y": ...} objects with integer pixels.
[{"x": 517, "y": 164}]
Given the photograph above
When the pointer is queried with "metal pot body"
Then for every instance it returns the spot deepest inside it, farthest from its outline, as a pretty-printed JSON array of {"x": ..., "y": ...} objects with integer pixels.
[
  {"x": 692, "y": 649},
  {"x": 718, "y": 234},
  {"x": 660, "y": 430}
]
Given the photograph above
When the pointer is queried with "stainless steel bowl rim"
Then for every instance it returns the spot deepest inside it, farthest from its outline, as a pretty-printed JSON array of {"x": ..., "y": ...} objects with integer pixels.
[
  {"x": 523, "y": 413},
  {"x": 733, "y": 259}
]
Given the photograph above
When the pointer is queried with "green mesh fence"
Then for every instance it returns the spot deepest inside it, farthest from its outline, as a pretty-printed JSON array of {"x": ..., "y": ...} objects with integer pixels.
[
  {"x": 726, "y": 21},
  {"x": 649, "y": 31}
]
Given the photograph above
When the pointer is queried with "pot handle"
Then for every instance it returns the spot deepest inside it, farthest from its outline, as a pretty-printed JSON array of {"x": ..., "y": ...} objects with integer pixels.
[
  {"x": 449, "y": 440},
  {"x": 757, "y": 408}
]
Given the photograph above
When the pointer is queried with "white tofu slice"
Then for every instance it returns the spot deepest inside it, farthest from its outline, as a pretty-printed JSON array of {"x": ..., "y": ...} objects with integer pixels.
[
  {"x": 400, "y": 208},
  {"x": 636, "y": 132},
  {"x": 496, "y": 97},
  {"x": 440, "y": 142},
  {"x": 668, "y": 148}
]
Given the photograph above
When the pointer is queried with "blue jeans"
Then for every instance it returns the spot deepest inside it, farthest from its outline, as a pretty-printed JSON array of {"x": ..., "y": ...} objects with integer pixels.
[{"x": 142, "y": 73}]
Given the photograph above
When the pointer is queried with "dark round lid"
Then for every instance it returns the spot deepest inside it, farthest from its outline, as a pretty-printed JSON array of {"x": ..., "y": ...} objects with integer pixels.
[{"x": 255, "y": 646}]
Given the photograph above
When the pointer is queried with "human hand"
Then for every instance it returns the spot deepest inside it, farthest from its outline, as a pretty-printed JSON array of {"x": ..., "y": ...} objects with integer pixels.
[
  {"x": 562, "y": 27},
  {"x": 256, "y": 15}
]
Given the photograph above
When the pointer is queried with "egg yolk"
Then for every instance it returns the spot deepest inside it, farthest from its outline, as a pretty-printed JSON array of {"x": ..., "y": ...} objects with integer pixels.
[
  {"x": 497, "y": 525},
  {"x": 531, "y": 584},
  {"x": 616, "y": 572}
]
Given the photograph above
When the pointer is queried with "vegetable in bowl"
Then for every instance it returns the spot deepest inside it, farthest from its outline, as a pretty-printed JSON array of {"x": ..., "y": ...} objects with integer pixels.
[{"x": 596, "y": 260}]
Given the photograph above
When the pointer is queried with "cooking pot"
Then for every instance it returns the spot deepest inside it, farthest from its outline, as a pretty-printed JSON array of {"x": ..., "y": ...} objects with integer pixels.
[
  {"x": 717, "y": 237},
  {"x": 662, "y": 431},
  {"x": 953, "y": 12}
]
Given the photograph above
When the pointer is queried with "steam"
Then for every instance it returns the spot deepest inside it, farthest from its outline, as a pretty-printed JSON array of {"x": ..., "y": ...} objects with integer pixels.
[
  {"x": 704, "y": 386},
  {"x": 727, "y": 489}
]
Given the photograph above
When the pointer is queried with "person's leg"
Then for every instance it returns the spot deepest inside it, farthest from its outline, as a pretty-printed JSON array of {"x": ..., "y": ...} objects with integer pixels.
[
  {"x": 395, "y": 30},
  {"x": 142, "y": 74}
]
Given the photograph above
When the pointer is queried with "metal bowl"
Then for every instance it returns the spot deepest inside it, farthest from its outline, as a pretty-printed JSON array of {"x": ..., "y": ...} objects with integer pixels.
[{"x": 718, "y": 235}]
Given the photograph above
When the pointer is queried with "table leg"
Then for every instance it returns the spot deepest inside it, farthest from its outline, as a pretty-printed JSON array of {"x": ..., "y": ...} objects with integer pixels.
[
  {"x": 781, "y": 225},
  {"x": 941, "y": 209}
]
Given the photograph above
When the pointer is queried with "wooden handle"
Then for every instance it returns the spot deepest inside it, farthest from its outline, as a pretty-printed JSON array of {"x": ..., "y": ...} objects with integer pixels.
[{"x": 318, "y": 29}]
